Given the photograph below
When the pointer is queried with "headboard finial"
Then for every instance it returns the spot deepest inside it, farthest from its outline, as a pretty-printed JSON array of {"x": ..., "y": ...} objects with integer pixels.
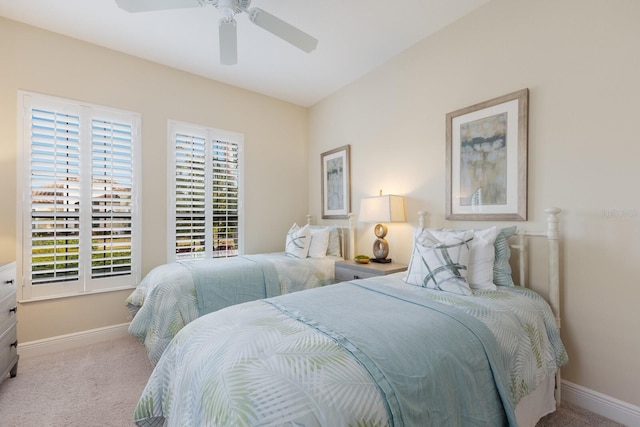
[
  {"x": 422, "y": 218},
  {"x": 352, "y": 219},
  {"x": 552, "y": 222}
]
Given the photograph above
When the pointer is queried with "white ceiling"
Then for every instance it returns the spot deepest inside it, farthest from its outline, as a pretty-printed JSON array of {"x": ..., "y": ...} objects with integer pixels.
[{"x": 355, "y": 36}]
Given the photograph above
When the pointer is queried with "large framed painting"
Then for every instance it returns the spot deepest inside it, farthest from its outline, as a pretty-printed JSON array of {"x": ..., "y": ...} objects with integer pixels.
[
  {"x": 487, "y": 159},
  {"x": 336, "y": 185}
]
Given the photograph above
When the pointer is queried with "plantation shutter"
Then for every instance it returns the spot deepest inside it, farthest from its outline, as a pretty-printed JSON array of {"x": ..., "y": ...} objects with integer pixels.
[
  {"x": 80, "y": 227},
  {"x": 206, "y": 197},
  {"x": 190, "y": 182},
  {"x": 225, "y": 198},
  {"x": 111, "y": 198},
  {"x": 55, "y": 196}
]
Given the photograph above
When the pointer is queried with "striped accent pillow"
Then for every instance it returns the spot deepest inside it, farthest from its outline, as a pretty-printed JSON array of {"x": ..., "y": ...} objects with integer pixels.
[
  {"x": 298, "y": 241},
  {"x": 440, "y": 261}
]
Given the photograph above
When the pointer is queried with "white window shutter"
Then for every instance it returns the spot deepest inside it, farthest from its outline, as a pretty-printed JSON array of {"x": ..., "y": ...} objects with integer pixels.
[
  {"x": 112, "y": 183},
  {"x": 205, "y": 212},
  {"x": 79, "y": 179},
  {"x": 54, "y": 197},
  {"x": 225, "y": 197},
  {"x": 190, "y": 196}
]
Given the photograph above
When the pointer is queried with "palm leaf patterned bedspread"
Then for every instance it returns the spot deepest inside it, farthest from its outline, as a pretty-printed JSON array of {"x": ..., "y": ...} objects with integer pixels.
[
  {"x": 166, "y": 299},
  {"x": 268, "y": 363}
]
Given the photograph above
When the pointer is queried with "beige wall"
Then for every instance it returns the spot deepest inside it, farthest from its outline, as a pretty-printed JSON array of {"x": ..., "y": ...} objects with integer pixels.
[
  {"x": 581, "y": 62},
  {"x": 275, "y": 152}
]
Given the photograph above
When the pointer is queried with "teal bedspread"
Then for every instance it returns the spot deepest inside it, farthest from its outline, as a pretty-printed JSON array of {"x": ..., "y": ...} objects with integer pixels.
[
  {"x": 234, "y": 281},
  {"x": 432, "y": 373},
  {"x": 172, "y": 295},
  {"x": 372, "y": 352}
]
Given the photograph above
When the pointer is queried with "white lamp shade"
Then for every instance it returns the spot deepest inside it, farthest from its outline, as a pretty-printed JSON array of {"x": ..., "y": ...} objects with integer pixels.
[{"x": 386, "y": 208}]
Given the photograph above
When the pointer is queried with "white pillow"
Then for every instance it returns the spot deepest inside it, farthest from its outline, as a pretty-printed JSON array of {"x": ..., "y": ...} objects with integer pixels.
[
  {"x": 481, "y": 256},
  {"x": 481, "y": 259},
  {"x": 500, "y": 259},
  {"x": 334, "y": 248},
  {"x": 320, "y": 241},
  {"x": 440, "y": 263},
  {"x": 298, "y": 241}
]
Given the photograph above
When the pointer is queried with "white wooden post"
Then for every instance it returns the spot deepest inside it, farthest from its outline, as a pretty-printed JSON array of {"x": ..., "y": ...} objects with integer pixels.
[
  {"x": 421, "y": 218},
  {"x": 553, "y": 239}
]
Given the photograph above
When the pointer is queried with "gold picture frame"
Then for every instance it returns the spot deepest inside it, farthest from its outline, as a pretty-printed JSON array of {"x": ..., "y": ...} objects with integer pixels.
[
  {"x": 336, "y": 183},
  {"x": 487, "y": 159}
]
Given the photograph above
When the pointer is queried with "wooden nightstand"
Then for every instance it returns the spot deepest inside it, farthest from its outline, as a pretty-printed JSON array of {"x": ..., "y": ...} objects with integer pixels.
[{"x": 349, "y": 270}]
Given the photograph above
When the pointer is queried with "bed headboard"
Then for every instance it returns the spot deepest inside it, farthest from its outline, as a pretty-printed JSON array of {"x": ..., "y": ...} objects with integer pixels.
[
  {"x": 347, "y": 235},
  {"x": 519, "y": 257}
]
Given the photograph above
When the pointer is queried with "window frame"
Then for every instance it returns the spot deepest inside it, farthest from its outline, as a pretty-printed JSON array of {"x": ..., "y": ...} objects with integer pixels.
[
  {"x": 209, "y": 135},
  {"x": 87, "y": 114}
]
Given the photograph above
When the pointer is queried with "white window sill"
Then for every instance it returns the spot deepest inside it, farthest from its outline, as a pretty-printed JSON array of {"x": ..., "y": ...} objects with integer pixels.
[{"x": 73, "y": 295}]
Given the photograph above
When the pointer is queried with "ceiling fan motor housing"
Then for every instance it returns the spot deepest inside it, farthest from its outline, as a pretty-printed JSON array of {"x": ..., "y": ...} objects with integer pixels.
[{"x": 236, "y": 6}]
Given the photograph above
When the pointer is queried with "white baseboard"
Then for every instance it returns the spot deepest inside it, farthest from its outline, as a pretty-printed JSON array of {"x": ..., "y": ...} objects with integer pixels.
[
  {"x": 614, "y": 409},
  {"x": 71, "y": 341}
]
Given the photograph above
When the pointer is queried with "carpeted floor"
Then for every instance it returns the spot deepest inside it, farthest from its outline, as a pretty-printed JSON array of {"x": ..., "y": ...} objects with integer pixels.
[
  {"x": 99, "y": 385},
  {"x": 573, "y": 416}
]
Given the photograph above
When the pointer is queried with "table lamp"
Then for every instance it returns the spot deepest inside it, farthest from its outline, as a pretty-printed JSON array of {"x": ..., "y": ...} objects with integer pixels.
[{"x": 382, "y": 209}]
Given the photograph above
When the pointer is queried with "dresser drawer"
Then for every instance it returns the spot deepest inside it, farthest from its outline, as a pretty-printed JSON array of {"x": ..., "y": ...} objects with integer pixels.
[
  {"x": 8, "y": 351},
  {"x": 8, "y": 308},
  {"x": 8, "y": 304},
  {"x": 8, "y": 280},
  {"x": 345, "y": 274}
]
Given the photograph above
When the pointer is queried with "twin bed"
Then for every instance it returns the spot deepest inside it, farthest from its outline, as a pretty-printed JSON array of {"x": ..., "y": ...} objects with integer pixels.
[
  {"x": 413, "y": 348},
  {"x": 172, "y": 295}
]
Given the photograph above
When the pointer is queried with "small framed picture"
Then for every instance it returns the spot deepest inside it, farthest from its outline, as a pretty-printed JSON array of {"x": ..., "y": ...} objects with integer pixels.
[
  {"x": 487, "y": 160},
  {"x": 336, "y": 185}
]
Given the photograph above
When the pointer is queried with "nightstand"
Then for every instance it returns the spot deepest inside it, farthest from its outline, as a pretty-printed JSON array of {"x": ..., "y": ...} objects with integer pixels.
[{"x": 349, "y": 270}]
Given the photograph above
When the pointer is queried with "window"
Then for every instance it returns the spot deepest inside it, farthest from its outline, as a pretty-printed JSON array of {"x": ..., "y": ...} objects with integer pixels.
[
  {"x": 78, "y": 180},
  {"x": 205, "y": 170}
]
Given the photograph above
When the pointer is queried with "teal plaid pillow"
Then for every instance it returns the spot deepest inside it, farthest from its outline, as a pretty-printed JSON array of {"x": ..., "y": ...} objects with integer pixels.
[{"x": 440, "y": 261}]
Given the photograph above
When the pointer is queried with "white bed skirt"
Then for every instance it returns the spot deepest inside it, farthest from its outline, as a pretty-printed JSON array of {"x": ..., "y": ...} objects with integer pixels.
[{"x": 537, "y": 404}]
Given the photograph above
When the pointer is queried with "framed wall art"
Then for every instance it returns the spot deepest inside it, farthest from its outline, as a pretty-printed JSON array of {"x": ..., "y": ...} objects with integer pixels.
[
  {"x": 336, "y": 183},
  {"x": 487, "y": 159}
]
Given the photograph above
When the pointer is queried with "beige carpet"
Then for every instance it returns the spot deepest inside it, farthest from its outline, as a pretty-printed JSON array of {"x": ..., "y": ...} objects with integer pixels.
[
  {"x": 99, "y": 385},
  {"x": 573, "y": 416}
]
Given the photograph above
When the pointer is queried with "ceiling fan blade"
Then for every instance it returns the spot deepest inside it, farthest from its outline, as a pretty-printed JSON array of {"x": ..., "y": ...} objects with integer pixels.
[
  {"x": 285, "y": 31},
  {"x": 228, "y": 42},
  {"x": 148, "y": 5}
]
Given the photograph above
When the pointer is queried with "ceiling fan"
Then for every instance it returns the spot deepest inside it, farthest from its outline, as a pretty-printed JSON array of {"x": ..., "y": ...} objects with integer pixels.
[{"x": 227, "y": 25}]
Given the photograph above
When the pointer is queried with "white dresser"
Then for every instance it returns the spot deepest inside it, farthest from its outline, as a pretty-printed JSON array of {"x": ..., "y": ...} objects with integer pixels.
[{"x": 8, "y": 309}]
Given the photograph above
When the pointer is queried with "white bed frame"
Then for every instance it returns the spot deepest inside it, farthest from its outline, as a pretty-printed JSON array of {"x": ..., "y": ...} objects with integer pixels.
[
  {"x": 541, "y": 396},
  {"x": 552, "y": 235},
  {"x": 347, "y": 235}
]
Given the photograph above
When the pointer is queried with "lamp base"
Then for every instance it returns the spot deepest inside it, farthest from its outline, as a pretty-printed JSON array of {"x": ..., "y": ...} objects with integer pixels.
[{"x": 381, "y": 260}]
